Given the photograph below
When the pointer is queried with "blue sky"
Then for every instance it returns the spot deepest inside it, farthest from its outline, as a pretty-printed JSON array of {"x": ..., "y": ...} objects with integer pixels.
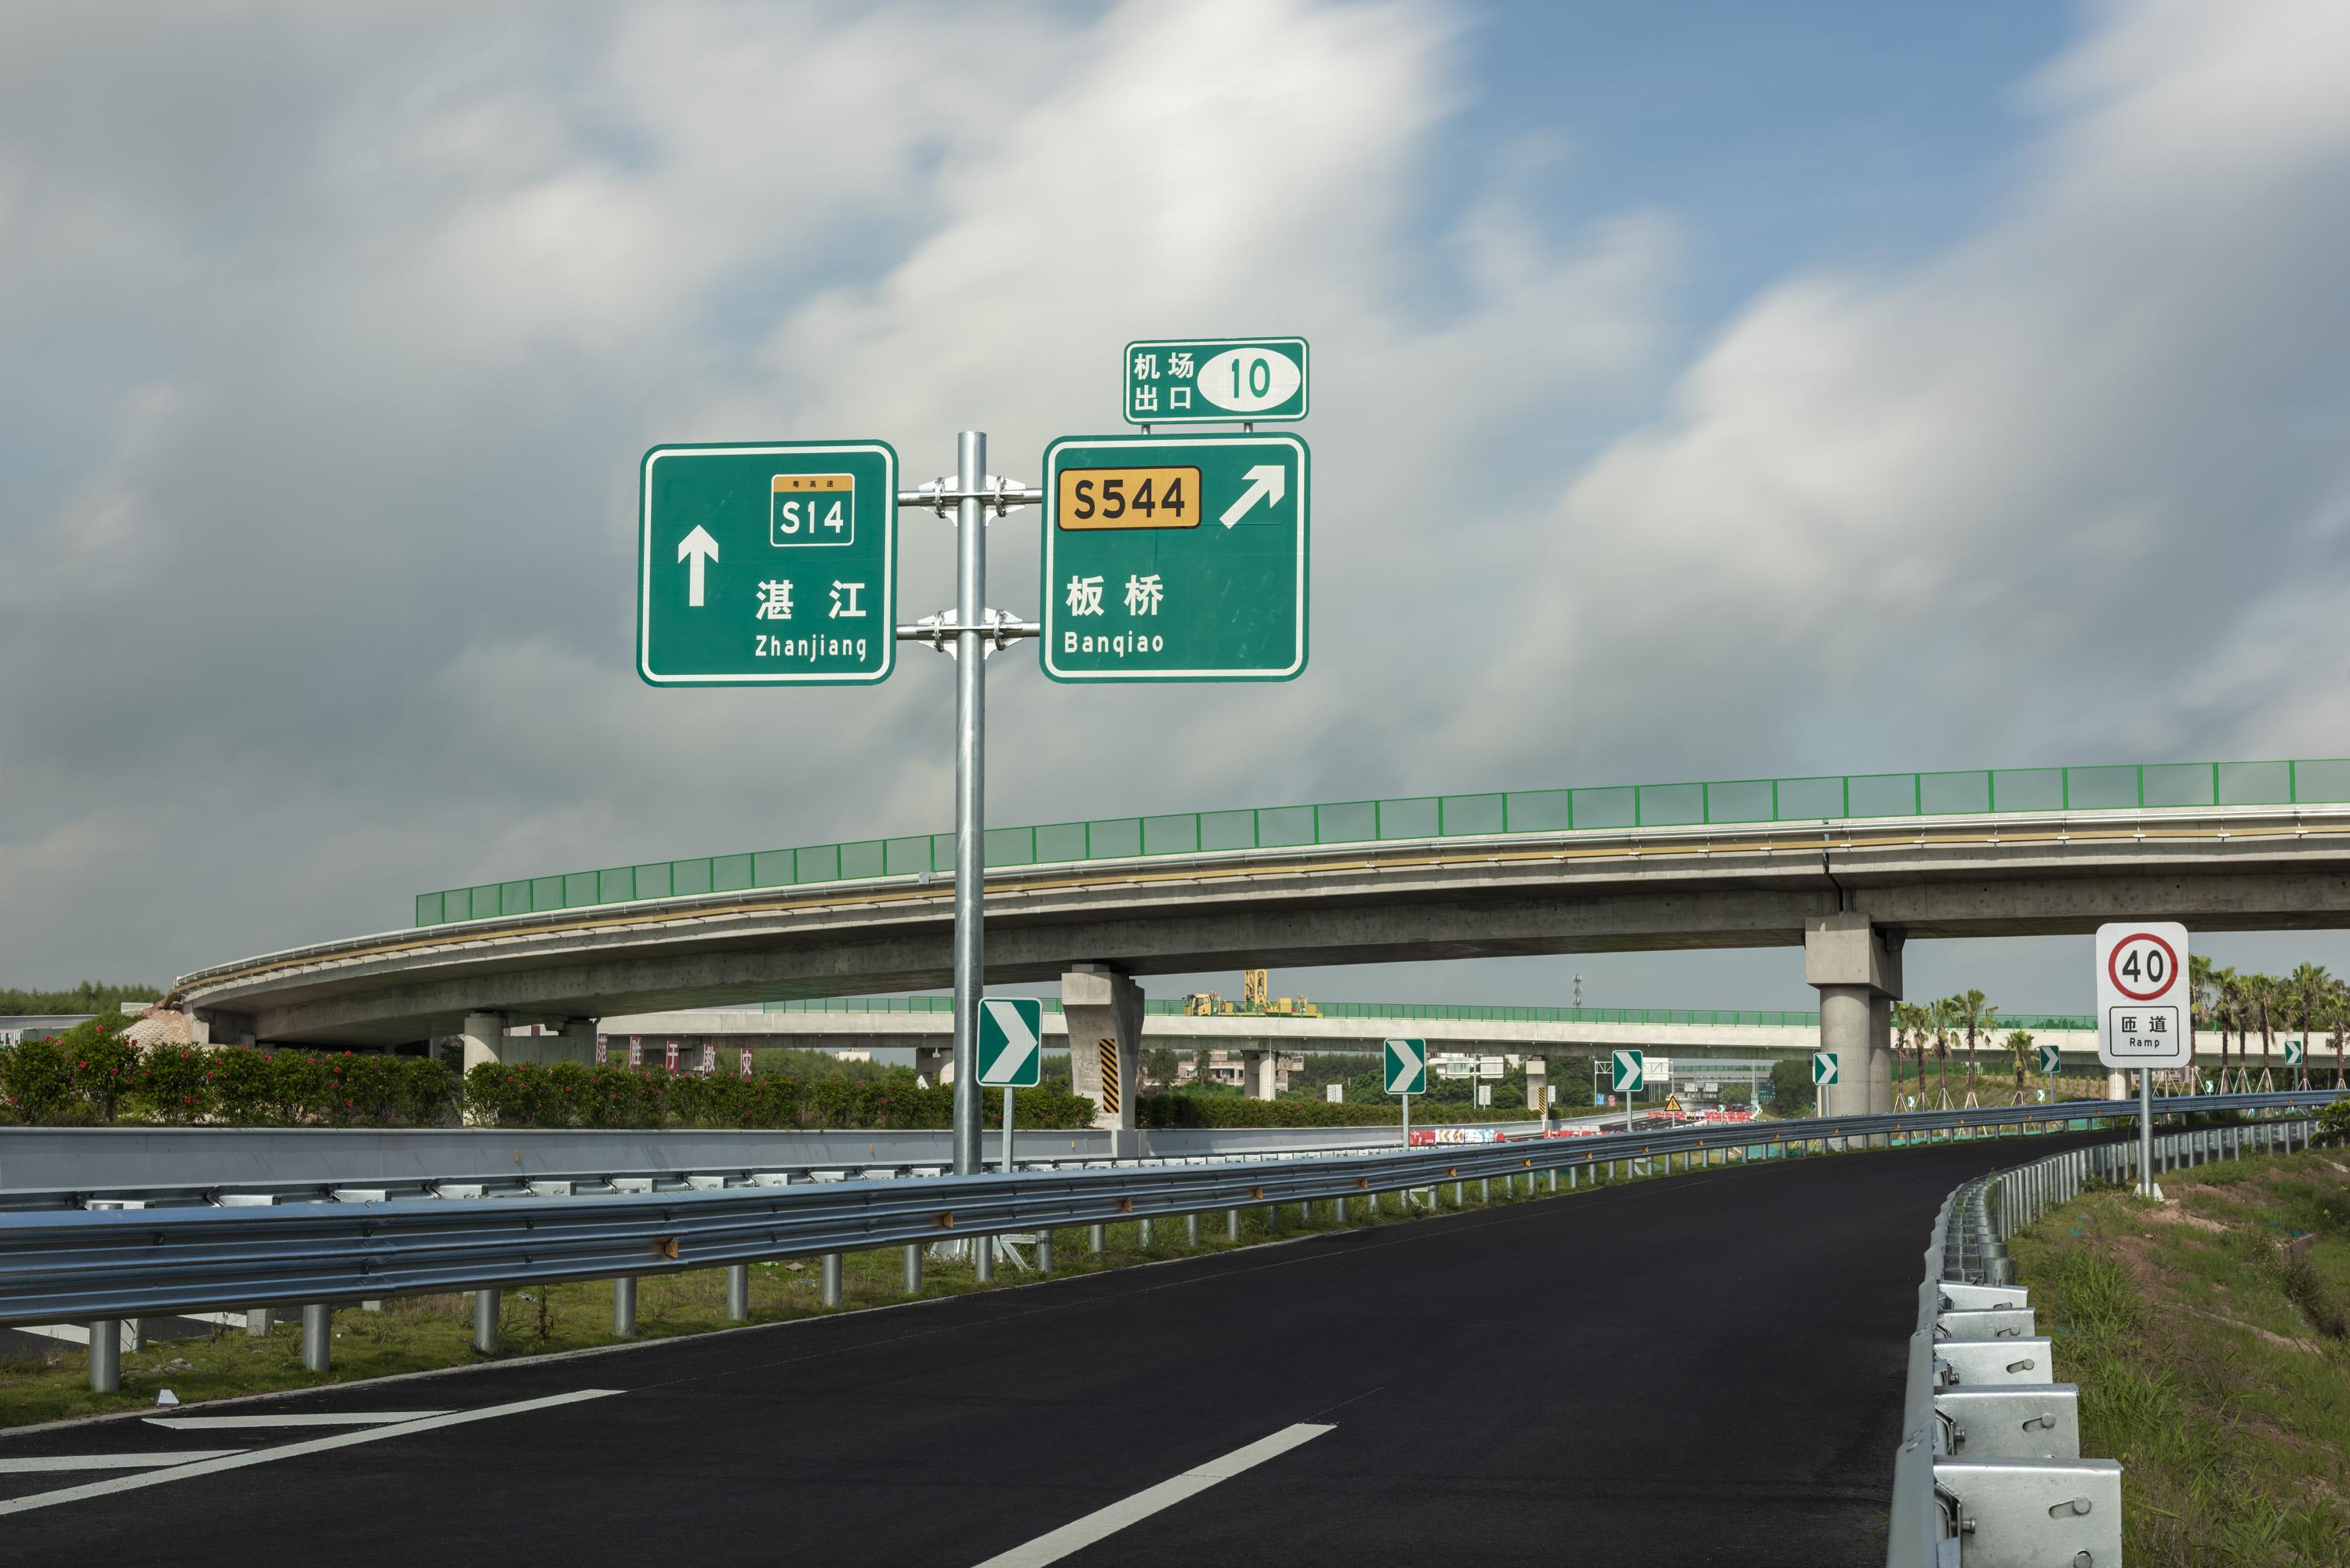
[{"x": 1726, "y": 390}]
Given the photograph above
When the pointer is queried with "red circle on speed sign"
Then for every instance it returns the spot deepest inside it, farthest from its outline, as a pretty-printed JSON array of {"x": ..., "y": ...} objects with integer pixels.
[{"x": 2114, "y": 967}]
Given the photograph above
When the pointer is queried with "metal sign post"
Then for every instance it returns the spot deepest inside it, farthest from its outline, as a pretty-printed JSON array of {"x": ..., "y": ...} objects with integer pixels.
[
  {"x": 1407, "y": 1074},
  {"x": 1629, "y": 1070},
  {"x": 2141, "y": 1012},
  {"x": 1826, "y": 1067}
]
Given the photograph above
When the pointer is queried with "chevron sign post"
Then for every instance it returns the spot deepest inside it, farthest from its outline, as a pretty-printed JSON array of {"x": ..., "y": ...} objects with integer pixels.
[
  {"x": 1630, "y": 1068},
  {"x": 1407, "y": 1074},
  {"x": 2051, "y": 1060},
  {"x": 1011, "y": 1043}
]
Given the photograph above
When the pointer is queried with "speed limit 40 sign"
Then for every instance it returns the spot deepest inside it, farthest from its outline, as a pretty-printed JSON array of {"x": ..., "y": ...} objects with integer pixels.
[{"x": 2142, "y": 1000}]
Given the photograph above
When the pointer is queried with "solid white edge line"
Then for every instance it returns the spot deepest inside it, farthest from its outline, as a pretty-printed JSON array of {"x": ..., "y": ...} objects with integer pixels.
[
  {"x": 111, "y": 1461},
  {"x": 308, "y": 1418},
  {"x": 1077, "y": 1534},
  {"x": 290, "y": 1450}
]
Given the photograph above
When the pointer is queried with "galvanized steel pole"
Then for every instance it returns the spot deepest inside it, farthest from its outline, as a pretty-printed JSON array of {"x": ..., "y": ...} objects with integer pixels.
[
  {"x": 971, "y": 696},
  {"x": 2144, "y": 1132}
]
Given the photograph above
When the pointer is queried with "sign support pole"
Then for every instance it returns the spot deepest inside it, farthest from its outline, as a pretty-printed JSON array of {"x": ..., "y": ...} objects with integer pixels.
[
  {"x": 1407, "y": 1121},
  {"x": 2146, "y": 1132},
  {"x": 1008, "y": 1093},
  {"x": 971, "y": 699}
]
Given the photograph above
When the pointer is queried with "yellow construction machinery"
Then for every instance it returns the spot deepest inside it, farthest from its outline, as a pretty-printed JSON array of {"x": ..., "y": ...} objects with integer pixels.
[{"x": 1255, "y": 1002}]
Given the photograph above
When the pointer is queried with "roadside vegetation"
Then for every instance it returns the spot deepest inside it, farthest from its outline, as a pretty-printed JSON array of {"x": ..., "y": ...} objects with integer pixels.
[{"x": 2210, "y": 1337}]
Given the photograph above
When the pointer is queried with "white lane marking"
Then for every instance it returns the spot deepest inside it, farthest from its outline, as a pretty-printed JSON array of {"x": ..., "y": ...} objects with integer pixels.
[
  {"x": 289, "y": 1452},
  {"x": 1078, "y": 1534},
  {"x": 344, "y": 1418},
  {"x": 111, "y": 1461}
]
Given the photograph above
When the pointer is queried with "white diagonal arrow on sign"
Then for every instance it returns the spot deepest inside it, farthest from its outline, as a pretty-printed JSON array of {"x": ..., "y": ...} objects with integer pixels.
[
  {"x": 1268, "y": 481},
  {"x": 698, "y": 548},
  {"x": 1018, "y": 1044}
]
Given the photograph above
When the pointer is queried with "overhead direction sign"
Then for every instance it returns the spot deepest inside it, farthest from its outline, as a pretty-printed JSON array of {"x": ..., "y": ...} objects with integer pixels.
[
  {"x": 1407, "y": 1067},
  {"x": 1196, "y": 380},
  {"x": 768, "y": 564},
  {"x": 1629, "y": 1071},
  {"x": 2051, "y": 1060},
  {"x": 1011, "y": 1041},
  {"x": 1175, "y": 558},
  {"x": 2142, "y": 996},
  {"x": 1824, "y": 1068}
]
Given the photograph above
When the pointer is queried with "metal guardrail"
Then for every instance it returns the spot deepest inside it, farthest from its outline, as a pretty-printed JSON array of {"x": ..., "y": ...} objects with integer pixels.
[
  {"x": 68, "y": 1168},
  {"x": 1437, "y": 1012},
  {"x": 105, "y": 1264},
  {"x": 1830, "y": 797},
  {"x": 1990, "y": 1473}
]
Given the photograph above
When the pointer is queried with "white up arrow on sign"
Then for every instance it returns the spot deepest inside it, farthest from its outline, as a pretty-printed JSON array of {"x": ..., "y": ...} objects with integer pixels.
[
  {"x": 1267, "y": 482},
  {"x": 697, "y": 549}
]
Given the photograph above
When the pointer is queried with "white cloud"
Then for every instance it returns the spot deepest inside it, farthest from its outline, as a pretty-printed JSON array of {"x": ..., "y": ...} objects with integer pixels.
[
  {"x": 319, "y": 595},
  {"x": 2005, "y": 506}
]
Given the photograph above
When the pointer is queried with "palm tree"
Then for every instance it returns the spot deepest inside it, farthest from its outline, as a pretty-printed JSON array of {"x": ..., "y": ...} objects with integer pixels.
[
  {"x": 1910, "y": 1034},
  {"x": 1970, "y": 1011},
  {"x": 2202, "y": 996},
  {"x": 2310, "y": 986},
  {"x": 2019, "y": 1046},
  {"x": 1938, "y": 1020},
  {"x": 2267, "y": 992},
  {"x": 2336, "y": 1015},
  {"x": 2233, "y": 1007}
]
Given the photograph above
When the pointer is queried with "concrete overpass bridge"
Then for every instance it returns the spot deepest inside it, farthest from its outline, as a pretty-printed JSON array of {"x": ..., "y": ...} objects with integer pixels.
[{"x": 1847, "y": 869}]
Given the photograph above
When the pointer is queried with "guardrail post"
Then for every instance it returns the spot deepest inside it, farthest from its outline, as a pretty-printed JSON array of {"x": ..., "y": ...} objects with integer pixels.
[
  {"x": 738, "y": 1292},
  {"x": 1192, "y": 1228},
  {"x": 1044, "y": 1251},
  {"x": 1553, "y": 1179},
  {"x": 1143, "y": 1233},
  {"x": 832, "y": 1274},
  {"x": 106, "y": 1356},
  {"x": 1231, "y": 1224},
  {"x": 485, "y": 1321},
  {"x": 624, "y": 1306},
  {"x": 256, "y": 1321},
  {"x": 1097, "y": 1238},
  {"x": 1485, "y": 1190},
  {"x": 318, "y": 1335},
  {"x": 915, "y": 1264},
  {"x": 1461, "y": 1195}
]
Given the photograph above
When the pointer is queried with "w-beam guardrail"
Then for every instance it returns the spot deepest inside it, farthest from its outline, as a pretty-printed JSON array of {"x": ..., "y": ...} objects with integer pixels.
[
  {"x": 102, "y": 1266},
  {"x": 1989, "y": 1472}
]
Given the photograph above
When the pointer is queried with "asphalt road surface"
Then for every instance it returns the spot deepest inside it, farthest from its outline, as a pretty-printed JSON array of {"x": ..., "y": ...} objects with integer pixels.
[{"x": 1705, "y": 1369}]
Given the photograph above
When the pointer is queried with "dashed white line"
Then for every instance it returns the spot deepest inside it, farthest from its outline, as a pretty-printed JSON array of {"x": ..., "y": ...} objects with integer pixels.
[
  {"x": 288, "y": 1451},
  {"x": 1080, "y": 1533},
  {"x": 341, "y": 1418},
  {"x": 111, "y": 1461}
]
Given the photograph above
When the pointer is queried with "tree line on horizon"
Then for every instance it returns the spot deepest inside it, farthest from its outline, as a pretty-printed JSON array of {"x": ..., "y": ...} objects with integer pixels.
[{"x": 2309, "y": 1002}]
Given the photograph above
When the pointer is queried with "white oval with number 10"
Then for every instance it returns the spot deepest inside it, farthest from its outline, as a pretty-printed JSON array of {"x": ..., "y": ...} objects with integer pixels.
[{"x": 1249, "y": 380}]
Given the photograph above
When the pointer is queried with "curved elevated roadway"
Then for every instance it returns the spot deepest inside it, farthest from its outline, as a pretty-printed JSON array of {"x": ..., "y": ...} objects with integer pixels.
[{"x": 2010, "y": 874}]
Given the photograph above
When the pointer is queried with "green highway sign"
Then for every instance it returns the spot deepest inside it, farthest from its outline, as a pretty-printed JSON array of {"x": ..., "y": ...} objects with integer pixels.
[
  {"x": 1175, "y": 558},
  {"x": 1198, "y": 380},
  {"x": 2051, "y": 1060},
  {"x": 1630, "y": 1068},
  {"x": 1824, "y": 1068},
  {"x": 768, "y": 564},
  {"x": 2292, "y": 1054},
  {"x": 1011, "y": 1043},
  {"x": 1406, "y": 1064}
]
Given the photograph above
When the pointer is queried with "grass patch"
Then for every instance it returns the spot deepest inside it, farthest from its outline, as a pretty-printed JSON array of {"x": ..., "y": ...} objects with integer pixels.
[{"x": 2208, "y": 1336}]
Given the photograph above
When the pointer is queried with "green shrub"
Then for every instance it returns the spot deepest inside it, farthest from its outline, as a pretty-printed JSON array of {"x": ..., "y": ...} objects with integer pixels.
[
  {"x": 37, "y": 1081},
  {"x": 2333, "y": 1121},
  {"x": 175, "y": 1083},
  {"x": 1223, "y": 1111}
]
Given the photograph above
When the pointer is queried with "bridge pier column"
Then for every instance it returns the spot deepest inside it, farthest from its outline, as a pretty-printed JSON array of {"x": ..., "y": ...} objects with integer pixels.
[
  {"x": 1537, "y": 1082},
  {"x": 485, "y": 1038},
  {"x": 1856, "y": 968},
  {"x": 1104, "y": 1010},
  {"x": 1260, "y": 1074},
  {"x": 930, "y": 1061}
]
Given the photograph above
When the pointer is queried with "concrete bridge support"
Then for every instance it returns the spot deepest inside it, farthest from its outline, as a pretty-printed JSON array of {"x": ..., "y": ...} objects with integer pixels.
[
  {"x": 1856, "y": 968},
  {"x": 1260, "y": 1073},
  {"x": 930, "y": 1065},
  {"x": 1537, "y": 1082},
  {"x": 485, "y": 1039},
  {"x": 1104, "y": 1008}
]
